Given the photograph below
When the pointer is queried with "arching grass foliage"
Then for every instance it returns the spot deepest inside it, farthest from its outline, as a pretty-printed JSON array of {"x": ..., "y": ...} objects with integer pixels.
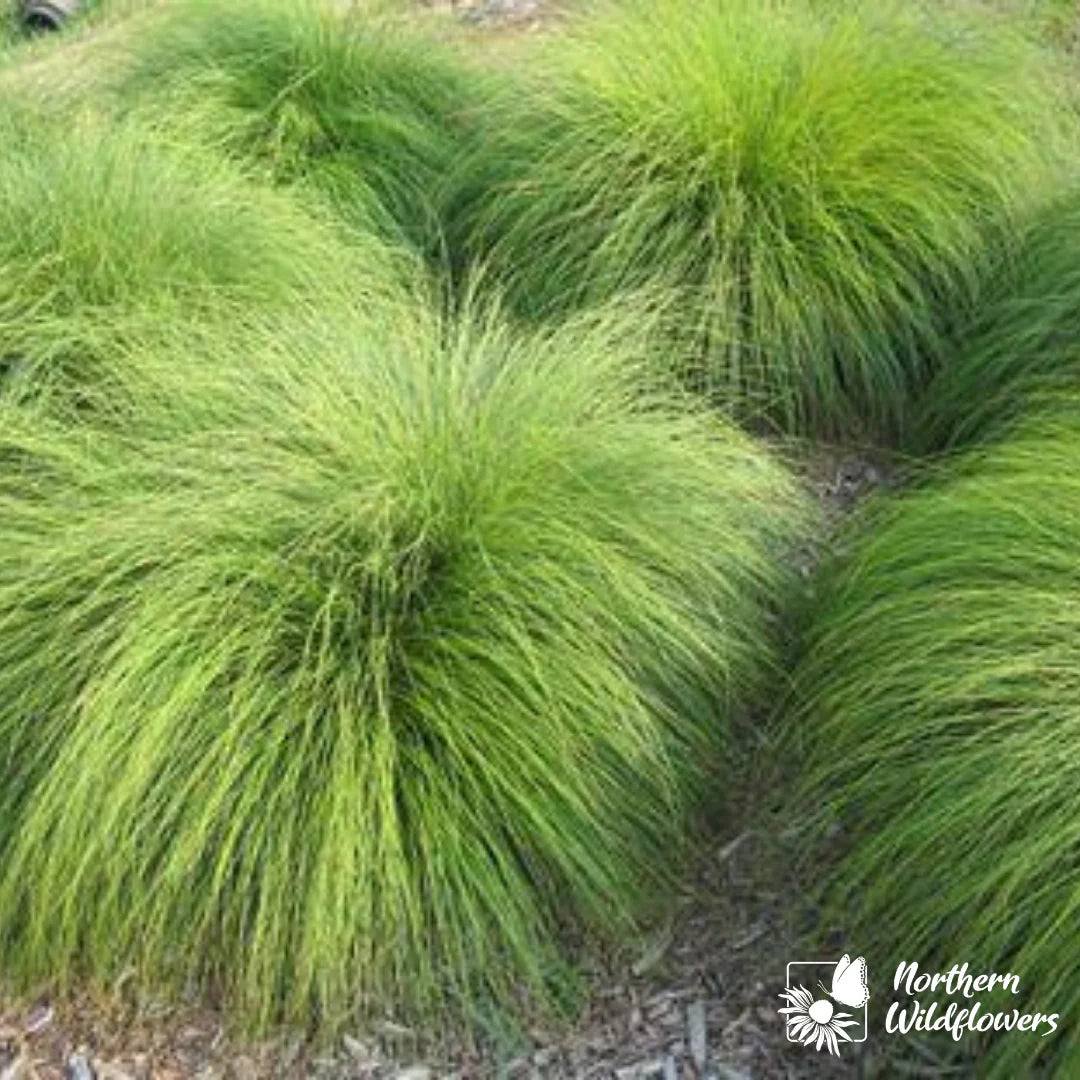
[
  {"x": 365, "y": 110},
  {"x": 109, "y": 236},
  {"x": 942, "y": 730},
  {"x": 823, "y": 183},
  {"x": 366, "y": 662},
  {"x": 1024, "y": 344}
]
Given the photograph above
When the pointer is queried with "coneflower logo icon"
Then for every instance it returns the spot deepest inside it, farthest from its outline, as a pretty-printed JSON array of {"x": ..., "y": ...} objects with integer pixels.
[{"x": 813, "y": 1018}]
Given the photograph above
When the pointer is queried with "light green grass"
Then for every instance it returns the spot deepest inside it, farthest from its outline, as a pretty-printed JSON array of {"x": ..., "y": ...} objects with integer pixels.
[
  {"x": 19, "y": 44},
  {"x": 1055, "y": 21},
  {"x": 366, "y": 111},
  {"x": 822, "y": 182},
  {"x": 107, "y": 234},
  {"x": 367, "y": 660},
  {"x": 1023, "y": 347},
  {"x": 942, "y": 730}
]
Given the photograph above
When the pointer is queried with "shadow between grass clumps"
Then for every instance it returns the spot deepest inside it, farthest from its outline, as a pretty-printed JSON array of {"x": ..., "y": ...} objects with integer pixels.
[{"x": 1022, "y": 346}]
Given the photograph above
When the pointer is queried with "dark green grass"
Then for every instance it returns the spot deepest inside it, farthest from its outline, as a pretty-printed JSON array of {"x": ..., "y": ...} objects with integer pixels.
[
  {"x": 822, "y": 184},
  {"x": 941, "y": 729},
  {"x": 107, "y": 235},
  {"x": 1025, "y": 344},
  {"x": 366, "y": 661},
  {"x": 367, "y": 111}
]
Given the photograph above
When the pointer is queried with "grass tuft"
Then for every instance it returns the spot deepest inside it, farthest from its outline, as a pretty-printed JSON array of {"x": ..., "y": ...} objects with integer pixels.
[
  {"x": 108, "y": 236},
  {"x": 823, "y": 184},
  {"x": 368, "y": 662},
  {"x": 1023, "y": 347},
  {"x": 364, "y": 110},
  {"x": 942, "y": 727}
]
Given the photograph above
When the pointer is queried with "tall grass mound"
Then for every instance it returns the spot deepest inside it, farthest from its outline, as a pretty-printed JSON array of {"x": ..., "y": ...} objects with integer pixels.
[
  {"x": 1022, "y": 347},
  {"x": 365, "y": 111},
  {"x": 106, "y": 235},
  {"x": 821, "y": 182},
  {"x": 942, "y": 730},
  {"x": 365, "y": 664}
]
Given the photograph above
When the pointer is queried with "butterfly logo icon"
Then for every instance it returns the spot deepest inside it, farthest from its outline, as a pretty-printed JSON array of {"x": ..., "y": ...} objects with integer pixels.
[
  {"x": 812, "y": 1019},
  {"x": 849, "y": 982}
]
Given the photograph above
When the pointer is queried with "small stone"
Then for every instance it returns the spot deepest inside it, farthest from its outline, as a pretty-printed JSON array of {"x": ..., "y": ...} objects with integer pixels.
[
  {"x": 414, "y": 1072},
  {"x": 389, "y": 1030},
  {"x": 109, "y": 1071},
  {"x": 643, "y": 1070},
  {"x": 728, "y": 1072},
  {"x": 79, "y": 1068},
  {"x": 243, "y": 1068},
  {"x": 671, "y": 1071},
  {"x": 39, "y": 1018},
  {"x": 19, "y": 1069},
  {"x": 695, "y": 1025},
  {"x": 358, "y": 1051},
  {"x": 544, "y": 1056}
]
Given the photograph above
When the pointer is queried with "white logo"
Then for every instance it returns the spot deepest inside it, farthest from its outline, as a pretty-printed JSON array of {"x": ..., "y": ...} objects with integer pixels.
[
  {"x": 957, "y": 1018},
  {"x": 812, "y": 1019}
]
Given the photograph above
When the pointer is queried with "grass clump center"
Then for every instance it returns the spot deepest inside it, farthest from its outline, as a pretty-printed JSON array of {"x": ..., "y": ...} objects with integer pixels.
[
  {"x": 390, "y": 653},
  {"x": 822, "y": 185}
]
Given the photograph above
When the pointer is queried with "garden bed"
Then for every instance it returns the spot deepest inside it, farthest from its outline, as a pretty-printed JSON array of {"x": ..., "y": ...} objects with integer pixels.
[{"x": 516, "y": 461}]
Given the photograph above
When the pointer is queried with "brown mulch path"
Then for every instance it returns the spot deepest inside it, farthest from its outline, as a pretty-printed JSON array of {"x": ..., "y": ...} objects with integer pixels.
[{"x": 696, "y": 1001}]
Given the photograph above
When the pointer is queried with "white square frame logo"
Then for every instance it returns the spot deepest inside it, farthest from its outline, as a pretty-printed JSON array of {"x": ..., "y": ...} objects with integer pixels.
[{"x": 809, "y": 974}]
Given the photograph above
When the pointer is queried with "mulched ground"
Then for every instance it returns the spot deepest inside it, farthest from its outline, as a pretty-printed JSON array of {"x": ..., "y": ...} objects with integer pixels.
[{"x": 696, "y": 1001}]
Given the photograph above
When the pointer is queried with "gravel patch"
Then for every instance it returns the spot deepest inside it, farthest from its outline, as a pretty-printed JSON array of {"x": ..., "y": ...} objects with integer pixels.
[{"x": 496, "y": 14}]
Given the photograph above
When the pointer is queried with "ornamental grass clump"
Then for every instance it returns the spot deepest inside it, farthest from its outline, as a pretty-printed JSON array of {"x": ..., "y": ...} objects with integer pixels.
[
  {"x": 107, "y": 236},
  {"x": 942, "y": 729},
  {"x": 1024, "y": 344},
  {"x": 363, "y": 110},
  {"x": 822, "y": 183},
  {"x": 367, "y": 662}
]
